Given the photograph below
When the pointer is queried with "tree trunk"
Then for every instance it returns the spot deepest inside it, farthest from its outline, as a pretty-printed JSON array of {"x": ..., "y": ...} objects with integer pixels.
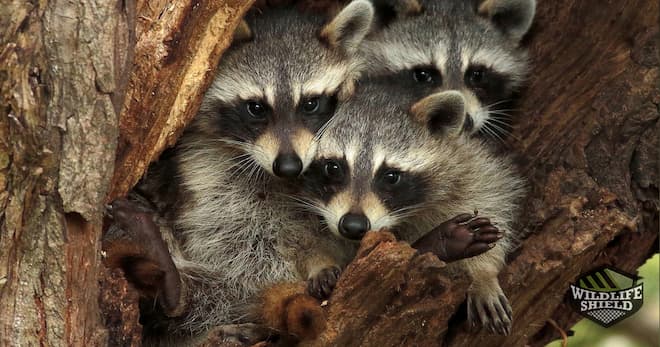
[
  {"x": 64, "y": 71},
  {"x": 587, "y": 140},
  {"x": 59, "y": 62}
]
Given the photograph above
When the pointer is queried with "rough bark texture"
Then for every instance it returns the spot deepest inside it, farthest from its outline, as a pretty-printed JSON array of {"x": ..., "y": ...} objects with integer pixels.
[
  {"x": 64, "y": 79},
  {"x": 179, "y": 45},
  {"x": 587, "y": 140},
  {"x": 59, "y": 62}
]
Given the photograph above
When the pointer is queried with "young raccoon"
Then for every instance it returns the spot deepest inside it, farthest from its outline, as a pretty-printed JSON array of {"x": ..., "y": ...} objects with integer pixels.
[
  {"x": 236, "y": 229},
  {"x": 377, "y": 167},
  {"x": 473, "y": 48},
  {"x": 280, "y": 83}
]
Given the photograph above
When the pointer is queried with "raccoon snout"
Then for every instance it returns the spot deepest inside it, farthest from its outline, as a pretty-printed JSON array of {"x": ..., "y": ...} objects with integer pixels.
[
  {"x": 354, "y": 226},
  {"x": 287, "y": 165}
]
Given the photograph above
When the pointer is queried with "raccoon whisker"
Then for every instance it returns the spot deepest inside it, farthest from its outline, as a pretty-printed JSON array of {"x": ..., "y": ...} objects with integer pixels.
[
  {"x": 395, "y": 216},
  {"x": 508, "y": 109},
  {"x": 485, "y": 129},
  {"x": 233, "y": 143},
  {"x": 244, "y": 166},
  {"x": 308, "y": 205},
  {"x": 407, "y": 211},
  {"x": 236, "y": 169},
  {"x": 505, "y": 120},
  {"x": 497, "y": 103},
  {"x": 324, "y": 127},
  {"x": 501, "y": 129},
  {"x": 241, "y": 163},
  {"x": 237, "y": 159},
  {"x": 256, "y": 174},
  {"x": 252, "y": 173},
  {"x": 507, "y": 115},
  {"x": 409, "y": 208},
  {"x": 500, "y": 121},
  {"x": 496, "y": 133}
]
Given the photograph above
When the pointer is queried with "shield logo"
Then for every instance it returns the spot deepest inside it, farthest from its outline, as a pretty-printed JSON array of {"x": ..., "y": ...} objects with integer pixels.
[{"x": 607, "y": 295}]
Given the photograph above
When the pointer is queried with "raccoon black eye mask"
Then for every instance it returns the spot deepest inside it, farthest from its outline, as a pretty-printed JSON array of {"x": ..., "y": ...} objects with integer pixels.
[
  {"x": 469, "y": 47},
  {"x": 405, "y": 166}
]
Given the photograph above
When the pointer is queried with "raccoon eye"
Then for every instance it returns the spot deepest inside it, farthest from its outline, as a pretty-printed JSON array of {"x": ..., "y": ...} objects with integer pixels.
[
  {"x": 311, "y": 105},
  {"x": 332, "y": 170},
  {"x": 422, "y": 75},
  {"x": 256, "y": 109},
  {"x": 321, "y": 105},
  {"x": 392, "y": 177},
  {"x": 476, "y": 77}
]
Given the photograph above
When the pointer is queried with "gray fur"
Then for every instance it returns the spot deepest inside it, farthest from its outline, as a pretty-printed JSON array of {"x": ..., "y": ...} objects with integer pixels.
[
  {"x": 449, "y": 35},
  {"x": 238, "y": 228},
  {"x": 462, "y": 174}
]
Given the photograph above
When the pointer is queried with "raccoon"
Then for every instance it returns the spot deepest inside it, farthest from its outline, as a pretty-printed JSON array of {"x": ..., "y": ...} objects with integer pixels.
[
  {"x": 280, "y": 83},
  {"x": 378, "y": 167},
  {"x": 472, "y": 47},
  {"x": 222, "y": 188}
]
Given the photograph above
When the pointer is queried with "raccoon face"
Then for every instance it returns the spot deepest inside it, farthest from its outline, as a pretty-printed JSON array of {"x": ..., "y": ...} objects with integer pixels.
[
  {"x": 452, "y": 45},
  {"x": 356, "y": 195},
  {"x": 276, "y": 89},
  {"x": 376, "y": 172}
]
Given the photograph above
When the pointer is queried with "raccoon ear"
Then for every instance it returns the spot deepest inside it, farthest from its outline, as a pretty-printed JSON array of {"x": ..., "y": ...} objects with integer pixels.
[
  {"x": 350, "y": 26},
  {"x": 513, "y": 17},
  {"x": 442, "y": 112},
  {"x": 242, "y": 32}
]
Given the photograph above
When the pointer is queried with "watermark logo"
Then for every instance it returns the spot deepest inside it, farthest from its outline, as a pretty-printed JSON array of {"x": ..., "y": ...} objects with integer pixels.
[{"x": 607, "y": 295}]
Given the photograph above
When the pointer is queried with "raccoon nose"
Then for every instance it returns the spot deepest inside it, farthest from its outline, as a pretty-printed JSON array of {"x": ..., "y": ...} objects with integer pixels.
[
  {"x": 287, "y": 165},
  {"x": 354, "y": 226}
]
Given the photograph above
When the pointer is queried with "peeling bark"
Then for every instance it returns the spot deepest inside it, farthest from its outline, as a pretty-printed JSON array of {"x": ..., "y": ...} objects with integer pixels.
[
  {"x": 178, "y": 48},
  {"x": 587, "y": 139},
  {"x": 58, "y": 134}
]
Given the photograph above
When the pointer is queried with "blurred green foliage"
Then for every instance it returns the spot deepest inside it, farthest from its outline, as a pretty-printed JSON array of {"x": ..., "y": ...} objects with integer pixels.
[{"x": 640, "y": 330}]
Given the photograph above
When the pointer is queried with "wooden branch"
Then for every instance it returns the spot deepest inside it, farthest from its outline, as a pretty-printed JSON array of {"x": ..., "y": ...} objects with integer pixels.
[
  {"x": 59, "y": 62},
  {"x": 178, "y": 48}
]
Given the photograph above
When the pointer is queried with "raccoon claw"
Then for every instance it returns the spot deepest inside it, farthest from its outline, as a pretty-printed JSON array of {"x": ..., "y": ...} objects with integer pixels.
[
  {"x": 492, "y": 312},
  {"x": 321, "y": 284},
  {"x": 463, "y": 236},
  {"x": 133, "y": 243}
]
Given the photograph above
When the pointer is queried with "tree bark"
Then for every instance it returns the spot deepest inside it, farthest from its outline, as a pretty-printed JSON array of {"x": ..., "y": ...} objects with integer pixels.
[
  {"x": 178, "y": 48},
  {"x": 58, "y": 131},
  {"x": 587, "y": 139},
  {"x": 67, "y": 70}
]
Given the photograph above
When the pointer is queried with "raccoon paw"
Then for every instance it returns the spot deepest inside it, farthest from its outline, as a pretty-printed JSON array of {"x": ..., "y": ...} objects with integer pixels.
[
  {"x": 463, "y": 236},
  {"x": 321, "y": 284},
  {"x": 247, "y": 334},
  {"x": 491, "y": 311},
  {"x": 133, "y": 243}
]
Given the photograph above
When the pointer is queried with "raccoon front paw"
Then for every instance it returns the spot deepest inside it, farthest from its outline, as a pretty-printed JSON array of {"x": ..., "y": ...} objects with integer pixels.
[
  {"x": 491, "y": 311},
  {"x": 463, "y": 236},
  {"x": 133, "y": 243},
  {"x": 321, "y": 284}
]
